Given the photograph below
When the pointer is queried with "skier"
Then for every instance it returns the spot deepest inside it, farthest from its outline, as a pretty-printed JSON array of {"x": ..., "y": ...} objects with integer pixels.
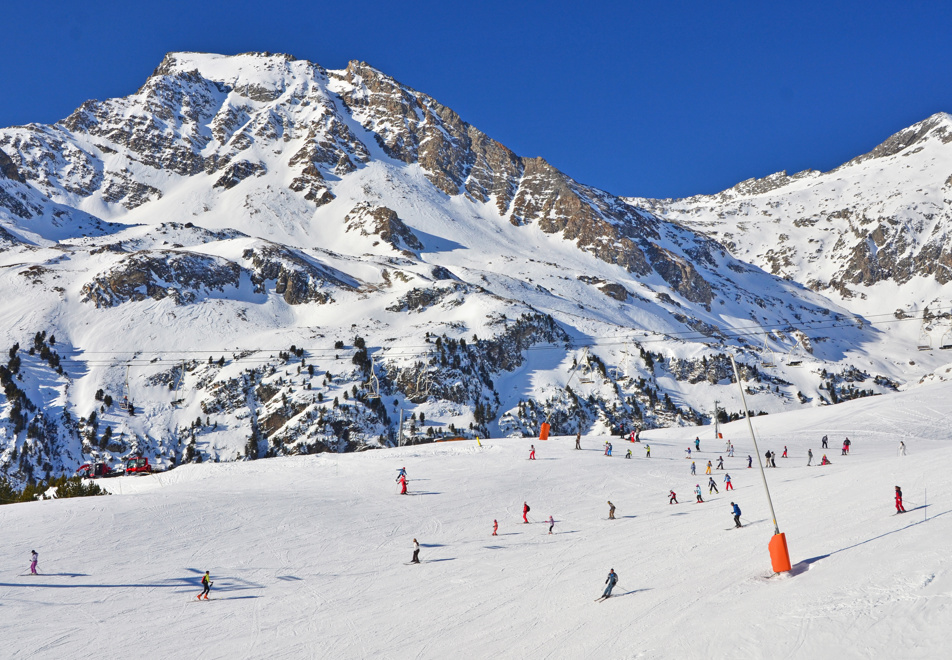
[
  {"x": 631, "y": 438},
  {"x": 402, "y": 472},
  {"x": 525, "y": 511},
  {"x": 847, "y": 443},
  {"x": 688, "y": 452},
  {"x": 697, "y": 491},
  {"x": 712, "y": 486},
  {"x": 902, "y": 448},
  {"x": 899, "y": 507},
  {"x": 206, "y": 586},
  {"x": 531, "y": 452},
  {"x": 773, "y": 458},
  {"x": 637, "y": 435},
  {"x": 720, "y": 462},
  {"x": 846, "y": 448},
  {"x": 809, "y": 457},
  {"x": 750, "y": 461},
  {"x": 609, "y": 449},
  {"x": 823, "y": 442},
  {"x": 495, "y": 527},
  {"x": 34, "y": 557},
  {"x": 784, "y": 454},
  {"x": 693, "y": 469},
  {"x": 672, "y": 498},
  {"x": 628, "y": 455},
  {"x": 611, "y": 510},
  {"x": 727, "y": 480},
  {"x": 551, "y": 524},
  {"x": 708, "y": 470},
  {"x": 647, "y": 451},
  {"x": 697, "y": 444},
  {"x": 736, "y": 512},
  {"x": 825, "y": 460},
  {"x": 578, "y": 440},
  {"x": 403, "y": 485},
  {"x": 767, "y": 456},
  {"x": 416, "y": 552},
  {"x": 611, "y": 581},
  {"x": 730, "y": 451}
]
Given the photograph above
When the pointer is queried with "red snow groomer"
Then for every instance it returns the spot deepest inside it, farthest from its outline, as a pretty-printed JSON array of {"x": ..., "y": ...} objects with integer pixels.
[
  {"x": 96, "y": 471},
  {"x": 138, "y": 465}
]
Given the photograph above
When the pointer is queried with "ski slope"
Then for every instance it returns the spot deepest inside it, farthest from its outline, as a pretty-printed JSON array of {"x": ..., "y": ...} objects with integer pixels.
[{"x": 309, "y": 554}]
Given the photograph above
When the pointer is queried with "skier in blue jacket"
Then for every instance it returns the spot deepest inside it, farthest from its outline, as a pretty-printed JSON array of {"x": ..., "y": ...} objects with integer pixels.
[
  {"x": 610, "y": 581},
  {"x": 736, "y": 512}
]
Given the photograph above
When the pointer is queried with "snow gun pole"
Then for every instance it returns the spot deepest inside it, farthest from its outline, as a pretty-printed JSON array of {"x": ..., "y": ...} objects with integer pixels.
[{"x": 779, "y": 556}]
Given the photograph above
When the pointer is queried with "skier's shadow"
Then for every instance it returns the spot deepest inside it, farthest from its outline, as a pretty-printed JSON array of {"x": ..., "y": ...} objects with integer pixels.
[
  {"x": 424, "y": 493},
  {"x": 431, "y": 561},
  {"x": 432, "y": 545},
  {"x": 633, "y": 591}
]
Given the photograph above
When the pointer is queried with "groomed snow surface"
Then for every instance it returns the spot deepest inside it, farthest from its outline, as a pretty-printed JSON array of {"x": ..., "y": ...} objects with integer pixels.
[{"x": 309, "y": 554}]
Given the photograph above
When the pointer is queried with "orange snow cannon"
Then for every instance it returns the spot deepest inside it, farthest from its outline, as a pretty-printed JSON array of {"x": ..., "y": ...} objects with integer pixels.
[{"x": 779, "y": 556}]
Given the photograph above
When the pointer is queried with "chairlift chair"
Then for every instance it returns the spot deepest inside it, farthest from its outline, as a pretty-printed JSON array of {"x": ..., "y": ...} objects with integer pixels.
[
  {"x": 374, "y": 382},
  {"x": 945, "y": 343},
  {"x": 925, "y": 339},
  {"x": 767, "y": 357}
]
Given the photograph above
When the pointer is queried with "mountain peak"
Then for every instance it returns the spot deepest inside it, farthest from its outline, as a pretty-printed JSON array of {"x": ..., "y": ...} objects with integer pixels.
[{"x": 937, "y": 126}]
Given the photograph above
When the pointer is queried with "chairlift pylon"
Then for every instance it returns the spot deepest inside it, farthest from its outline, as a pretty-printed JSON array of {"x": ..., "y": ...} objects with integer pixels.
[{"x": 177, "y": 399}]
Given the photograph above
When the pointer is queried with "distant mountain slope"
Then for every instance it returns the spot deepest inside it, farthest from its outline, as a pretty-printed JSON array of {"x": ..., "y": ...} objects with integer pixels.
[{"x": 885, "y": 216}]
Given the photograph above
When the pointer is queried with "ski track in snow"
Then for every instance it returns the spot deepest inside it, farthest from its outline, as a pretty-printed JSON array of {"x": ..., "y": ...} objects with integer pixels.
[{"x": 309, "y": 554}]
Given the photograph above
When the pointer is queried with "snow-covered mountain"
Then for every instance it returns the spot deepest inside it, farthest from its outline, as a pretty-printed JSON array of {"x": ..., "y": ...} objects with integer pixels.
[
  {"x": 883, "y": 217},
  {"x": 266, "y": 257}
]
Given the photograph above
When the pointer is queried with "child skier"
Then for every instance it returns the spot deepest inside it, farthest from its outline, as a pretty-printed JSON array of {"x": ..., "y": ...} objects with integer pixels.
[
  {"x": 720, "y": 462},
  {"x": 34, "y": 557},
  {"x": 697, "y": 491},
  {"x": 495, "y": 527},
  {"x": 708, "y": 470},
  {"x": 730, "y": 451},
  {"x": 727, "y": 480},
  {"x": 672, "y": 498},
  {"x": 609, "y": 449},
  {"x": 809, "y": 457},
  {"x": 712, "y": 486},
  {"x": 647, "y": 451},
  {"x": 402, "y": 472},
  {"x": 750, "y": 461},
  {"x": 825, "y": 460},
  {"x": 697, "y": 444},
  {"x": 416, "y": 552},
  {"x": 693, "y": 469},
  {"x": 784, "y": 454},
  {"x": 403, "y": 485},
  {"x": 688, "y": 451},
  {"x": 628, "y": 455},
  {"x": 531, "y": 452},
  {"x": 206, "y": 585},
  {"x": 551, "y": 524},
  {"x": 899, "y": 507},
  {"x": 736, "y": 512},
  {"x": 611, "y": 510},
  {"x": 610, "y": 581},
  {"x": 525, "y": 512}
]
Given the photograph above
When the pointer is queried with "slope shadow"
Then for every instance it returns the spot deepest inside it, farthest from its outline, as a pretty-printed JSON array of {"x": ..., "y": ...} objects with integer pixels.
[
  {"x": 423, "y": 492},
  {"x": 430, "y": 561},
  {"x": 803, "y": 566},
  {"x": 64, "y": 574}
]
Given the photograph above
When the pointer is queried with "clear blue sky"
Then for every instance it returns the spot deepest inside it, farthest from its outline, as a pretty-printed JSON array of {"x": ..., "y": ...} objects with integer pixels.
[{"x": 655, "y": 99}]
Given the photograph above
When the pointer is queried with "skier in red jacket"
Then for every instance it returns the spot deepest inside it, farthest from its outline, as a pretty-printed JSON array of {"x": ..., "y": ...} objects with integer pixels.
[
  {"x": 403, "y": 485},
  {"x": 495, "y": 527},
  {"x": 525, "y": 512},
  {"x": 899, "y": 506}
]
